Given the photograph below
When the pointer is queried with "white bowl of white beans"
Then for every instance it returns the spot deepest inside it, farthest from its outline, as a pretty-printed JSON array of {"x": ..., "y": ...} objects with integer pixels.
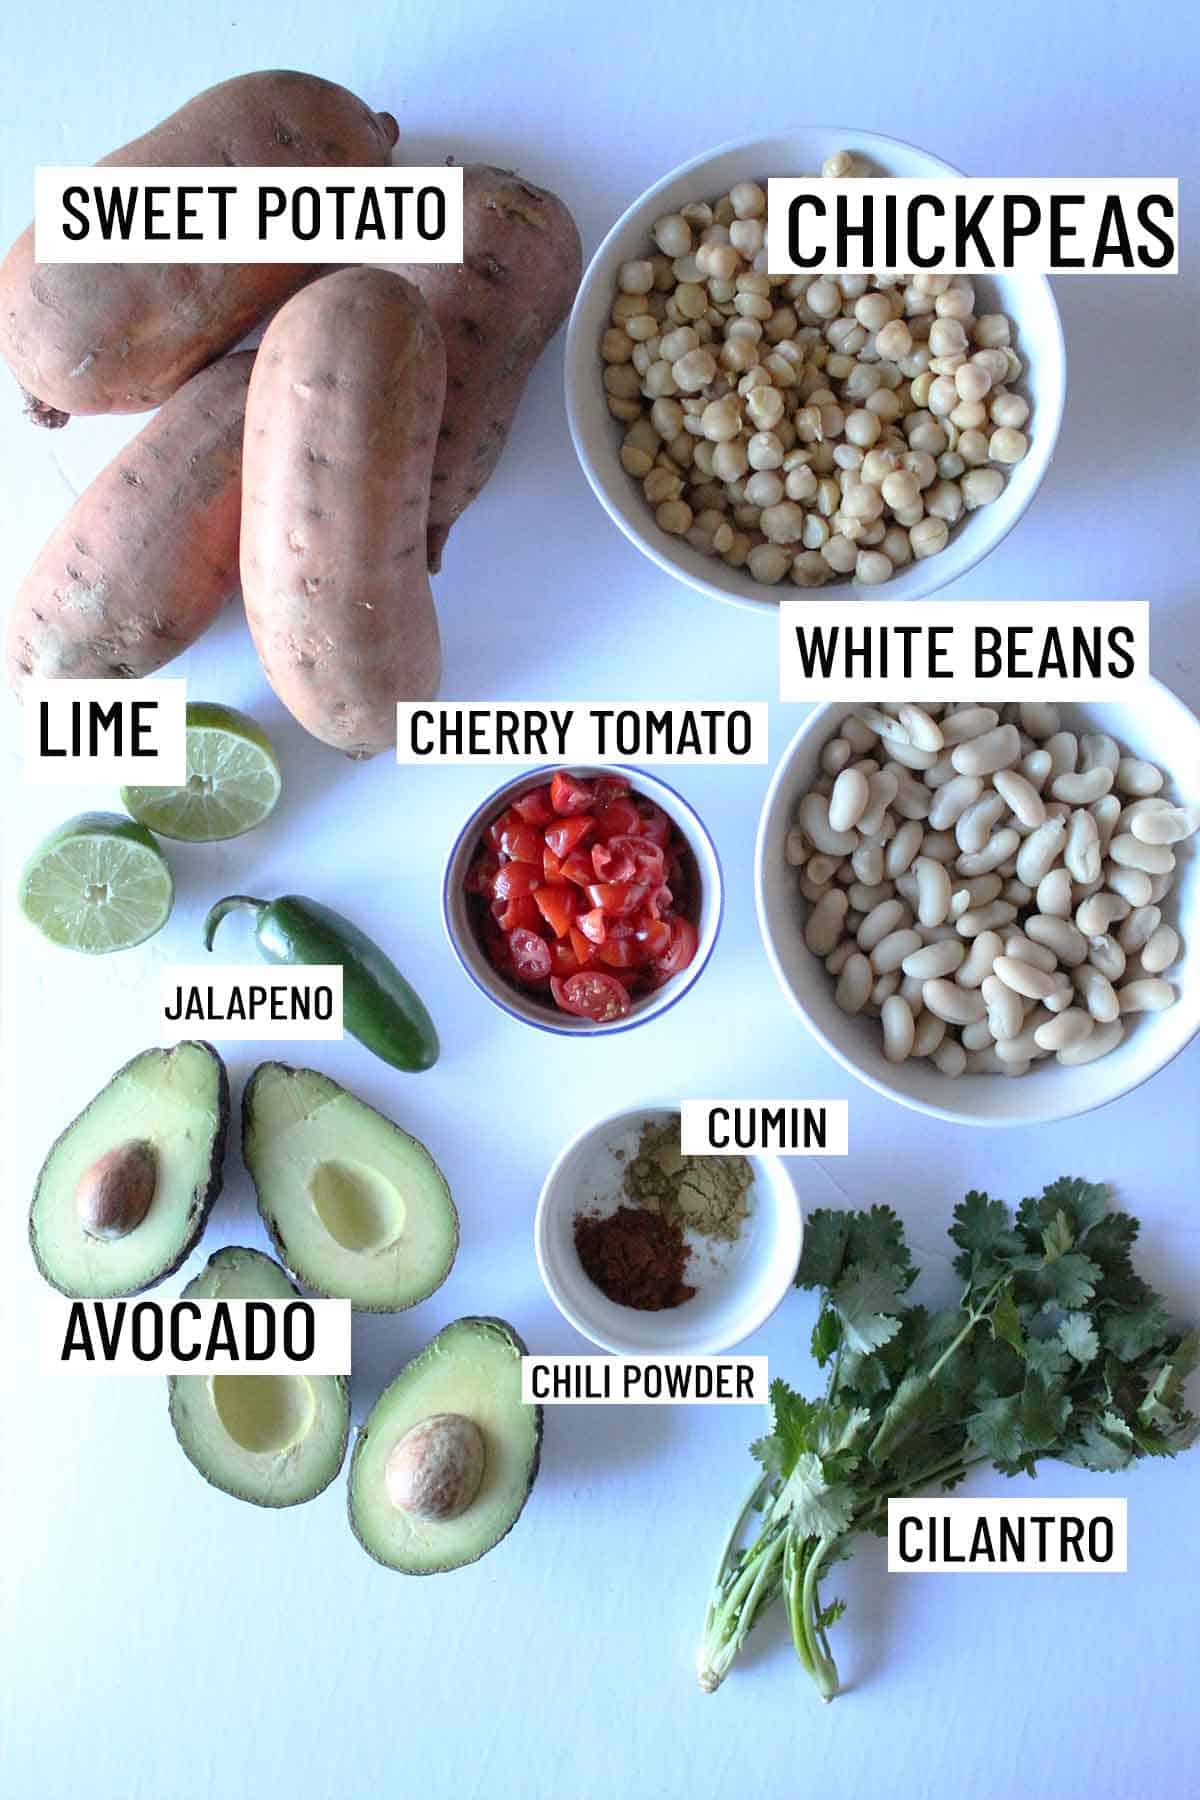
[
  {"x": 989, "y": 914},
  {"x": 795, "y": 446}
]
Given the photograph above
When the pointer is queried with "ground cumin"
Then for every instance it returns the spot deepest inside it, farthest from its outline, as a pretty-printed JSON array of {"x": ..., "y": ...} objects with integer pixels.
[{"x": 636, "y": 1258}]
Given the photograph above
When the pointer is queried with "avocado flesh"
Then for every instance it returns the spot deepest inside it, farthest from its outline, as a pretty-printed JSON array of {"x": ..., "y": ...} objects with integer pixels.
[
  {"x": 275, "y": 1440},
  {"x": 357, "y": 1208},
  {"x": 178, "y": 1100},
  {"x": 473, "y": 1367}
]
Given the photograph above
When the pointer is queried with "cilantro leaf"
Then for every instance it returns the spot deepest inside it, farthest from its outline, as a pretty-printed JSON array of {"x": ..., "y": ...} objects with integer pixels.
[
  {"x": 1079, "y": 1338},
  {"x": 867, "y": 1298},
  {"x": 1133, "y": 1330},
  {"x": 1045, "y": 1410},
  {"x": 983, "y": 1232},
  {"x": 793, "y": 1427},
  {"x": 813, "y": 1506},
  {"x": 877, "y": 1237},
  {"x": 826, "y": 1336},
  {"x": 1006, "y": 1320},
  {"x": 1083, "y": 1203},
  {"x": 824, "y": 1248},
  {"x": 1067, "y": 1280},
  {"x": 1105, "y": 1444},
  {"x": 1048, "y": 1356},
  {"x": 995, "y": 1427}
]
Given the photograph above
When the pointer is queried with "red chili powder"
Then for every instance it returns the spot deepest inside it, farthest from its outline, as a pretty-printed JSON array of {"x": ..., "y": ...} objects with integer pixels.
[{"x": 636, "y": 1258}]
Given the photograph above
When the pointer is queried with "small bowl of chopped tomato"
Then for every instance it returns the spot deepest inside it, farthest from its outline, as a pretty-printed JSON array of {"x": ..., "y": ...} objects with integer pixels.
[{"x": 583, "y": 900}]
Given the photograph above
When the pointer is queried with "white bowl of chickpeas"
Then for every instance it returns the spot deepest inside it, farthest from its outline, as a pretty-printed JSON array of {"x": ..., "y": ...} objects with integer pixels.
[
  {"x": 755, "y": 435},
  {"x": 990, "y": 914}
]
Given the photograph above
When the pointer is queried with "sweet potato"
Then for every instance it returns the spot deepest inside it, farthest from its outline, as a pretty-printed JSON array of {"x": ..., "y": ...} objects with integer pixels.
[
  {"x": 341, "y": 428},
  {"x": 147, "y": 556},
  {"x": 113, "y": 337},
  {"x": 497, "y": 311}
]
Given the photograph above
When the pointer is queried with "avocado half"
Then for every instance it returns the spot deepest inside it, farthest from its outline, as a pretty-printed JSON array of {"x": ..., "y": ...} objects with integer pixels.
[
  {"x": 275, "y": 1440},
  {"x": 358, "y": 1210},
  {"x": 169, "y": 1107},
  {"x": 472, "y": 1371}
]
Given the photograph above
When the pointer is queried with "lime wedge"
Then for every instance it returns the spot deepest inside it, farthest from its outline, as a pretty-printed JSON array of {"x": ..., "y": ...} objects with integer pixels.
[
  {"x": 98, "y": 883},
  {"x": 233, "y": 781}
]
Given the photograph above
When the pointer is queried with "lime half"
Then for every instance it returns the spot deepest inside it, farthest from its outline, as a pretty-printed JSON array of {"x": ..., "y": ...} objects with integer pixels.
[
  {"x": 98, "y": 883},
  {"x": 233, "y": 781}
]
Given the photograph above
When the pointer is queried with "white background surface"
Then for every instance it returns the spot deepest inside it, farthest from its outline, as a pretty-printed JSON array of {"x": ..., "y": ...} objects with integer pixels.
[{"x": 161, "y": 1640}]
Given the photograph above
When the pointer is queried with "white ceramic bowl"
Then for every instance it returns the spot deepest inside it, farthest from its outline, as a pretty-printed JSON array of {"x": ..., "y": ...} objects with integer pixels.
[
  {"x": 527, "y": 1007},
  {"x": 1027, "y": 299},
  {"x": 738, "y": 1286},
  {"x": 1162, "y": 730}
]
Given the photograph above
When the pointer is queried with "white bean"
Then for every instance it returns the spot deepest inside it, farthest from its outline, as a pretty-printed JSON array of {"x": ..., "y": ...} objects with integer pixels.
[
  {"x": 980, "y": 959},
  {"x": 1000, "y": 846},
  {"x": 1105, "y": 954},
  {"x": 867, "y": 863},
  {"x": 1082, "y": 789},
  {"x": 933, "y": 891},
  {"x": 991, "y": 917},
  {"x": 957, "y": 1005},
  {"x": 864, "y": 898},
  {"x": 854, "y": 986},
  {"x": 1169, "y": 826},
  {"x": 1070, "y": 1027},
  {"x": 1081, "y": 852},
  {"x": 848, "y": 801},
  {"x": 977, "y": 1036},
  {"x": 1063, "y": 993},
  {"x": 1036, "y": 768},
  {"x": 1099, "y": 751},
  {"x": 826, "y": 921},
  {"x": 1023, "y": 978},
  {"x": 885, "y": 987},
  {"x": 1005, "y": 1014},
  {"x": 1054, "y": 897},
  {"x": 1151, "y": 995},
  {"x": 1038, "y": 718},
  {"x": 1099, "y": 911},
  {"x": 1063, "y": 750},
  {"x": 1106, "y": 811},
  {"x": 997, "y": 749},
  {"x": 888, "y": 916},
  {"x": 836, "y": 755},
  {"x": 1041, "y": 850},
  {"x": 1024, "y": 1048},
  {"x": 1103, "y": 1039},
  {"x": 903, "y": 848},
  {"x": 898, "y": 1028},
  {"x": 974, "y": 826},
  {"x": 949, "y": 1057},
  {"x": 839, "y": 956},
  {"x": 952, "y": 801},
  {"x": 882, "y": 787},
  {"x": 1139, "y": 928},
  {"x": 1160, "y": 950},
  {"x": 1060, "y": 935},
  {"x": 968, "y": 722},
  {"x": 1020, "y": 796},
  {"x": 1097, "y": 993},
  {"x": 1039, "y": 956},
  {"x": 891, "y": 951},
  {"x": 933, "y": 960},
  {"x": 1132, "y": 885},
  {"x": 1137, "y": 777},
  {"x": 923, "y": 732},
  {"x": 813, "y": 816},
  {"x": 930, "y": 1033},
  {"x": 1130, "y": 852}
]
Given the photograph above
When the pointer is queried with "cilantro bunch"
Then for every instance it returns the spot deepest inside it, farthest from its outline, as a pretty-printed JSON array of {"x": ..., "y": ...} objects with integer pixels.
[{"x": 1056, "y": 1348}]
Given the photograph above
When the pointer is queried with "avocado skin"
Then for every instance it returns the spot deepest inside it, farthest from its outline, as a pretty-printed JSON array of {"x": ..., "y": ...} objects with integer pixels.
[
  {"x": 203, "y": 1200},
  {"x": 298, "y": 1071},
  {"x": 228, "y": 1254},
  {"x": 519, "y": 1345}
]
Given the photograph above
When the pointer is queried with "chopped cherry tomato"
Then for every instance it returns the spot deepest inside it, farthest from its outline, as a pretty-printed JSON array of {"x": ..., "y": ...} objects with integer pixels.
[
  {"x": 619, "y": 818},
  {"x": 617, "y": 898},
  {"x": 521, "y": 909},
  {"x": 684, "y": 939},
  {"x": 629, "y": 858},
  {"x": 497, "y": 947},
  {"x": 551, "y": 866},
  {"x": 584, "y": 951},
  {"x": 531, "y": 958},
  {"x": 557, "y": 903},
  {"x": 592, "y": 996},
  {"x": 653, "y": 823},
  {"x": 563, "y": 836},
  {"x": 484, "y": 868},
  {"x": 521, "y": 842},
  {"x": 564, "y": 959},
  {"x": 659, "y": 901},
  {"x": 654, "y": 934},
  {"x": 514, "y": 878},
  {"x": 569, "y": 795},
  {"x": 609, "y": 787},
  {"x": 622, "y": 953},
  {"x": 578, "y": 868},
  {"x": 534, "y": 807},
  {"x": 594, "y": 924}
]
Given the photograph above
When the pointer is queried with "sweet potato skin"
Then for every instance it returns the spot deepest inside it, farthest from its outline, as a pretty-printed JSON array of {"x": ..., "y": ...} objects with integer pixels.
[
  {"x": 341, "y": 429},
  {"x": 111, "y": 337},
  {"x": 497, "y": 311},
  {"x": 147, "y": 556}
]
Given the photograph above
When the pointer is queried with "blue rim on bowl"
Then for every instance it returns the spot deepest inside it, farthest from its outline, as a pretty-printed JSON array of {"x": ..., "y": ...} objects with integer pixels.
[
  {"x": 596, "y": 436},
  {"x": 540, "y": 1015}
]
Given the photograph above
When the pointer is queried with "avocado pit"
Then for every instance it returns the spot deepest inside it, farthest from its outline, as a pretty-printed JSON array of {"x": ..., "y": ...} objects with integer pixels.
[
  {"x": 435, "y": 1470},
  {"x": 114, "y": 1195}
]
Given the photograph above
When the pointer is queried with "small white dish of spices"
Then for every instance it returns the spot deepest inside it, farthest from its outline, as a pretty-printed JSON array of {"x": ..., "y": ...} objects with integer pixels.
[{"x": 645, "y": 1250}]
